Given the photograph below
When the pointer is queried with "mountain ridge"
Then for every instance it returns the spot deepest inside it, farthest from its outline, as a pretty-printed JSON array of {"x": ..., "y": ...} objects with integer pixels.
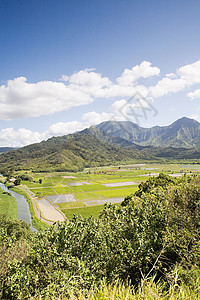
[
  {"x": 184, "y": 132},
  {"x": 94, "y": 146}
]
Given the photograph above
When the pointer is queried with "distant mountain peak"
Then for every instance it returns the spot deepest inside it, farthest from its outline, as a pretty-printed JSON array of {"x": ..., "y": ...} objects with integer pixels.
[
  {"x": 186, "y": 121},
  {"x": 184, "y": 132}
]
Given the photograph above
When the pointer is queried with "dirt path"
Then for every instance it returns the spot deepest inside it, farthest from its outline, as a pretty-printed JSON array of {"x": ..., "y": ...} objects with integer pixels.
[{"x": 36, "y": 208}]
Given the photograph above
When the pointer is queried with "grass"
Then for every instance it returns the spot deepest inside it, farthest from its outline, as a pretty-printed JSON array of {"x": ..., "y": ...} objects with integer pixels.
[
  {"x": 117, "y": 192},
  {"x": 43, "y": 191},
  {"x": 8, "y": 205},
  {"x": 88, "y": 196},
  {"x": 124, "y": 291},
  {"x": 73, "y": 204},
  {"x": 62, "y": 189},
  {"x": 150, "y": 291},
  {"x": 85, "y": 212}
]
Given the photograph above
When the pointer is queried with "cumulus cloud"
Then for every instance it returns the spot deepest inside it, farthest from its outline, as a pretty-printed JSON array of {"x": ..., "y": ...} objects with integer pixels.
[
  {"x": 144, "y": 70},
  {"x": 18, "y": 138},
  {"x": 166, "y": 86},
  {"x": 94, "y": 118},
  {"x": 194, "y": 95},
  {"x": 20, "y": 99},
  {"x": 185, "y": 76},
  {"x": 9, "y": 137},
  {"x": 63, "y": 128}
]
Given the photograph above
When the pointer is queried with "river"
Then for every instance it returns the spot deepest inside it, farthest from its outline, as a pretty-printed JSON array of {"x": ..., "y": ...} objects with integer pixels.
[{"x": 23, "y": 212}]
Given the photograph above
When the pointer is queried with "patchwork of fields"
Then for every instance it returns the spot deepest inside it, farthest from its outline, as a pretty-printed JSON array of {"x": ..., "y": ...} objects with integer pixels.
[{"x": 86, "y": 192}]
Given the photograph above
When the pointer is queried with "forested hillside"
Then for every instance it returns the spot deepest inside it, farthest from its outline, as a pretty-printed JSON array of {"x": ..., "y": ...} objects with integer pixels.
[{"x": 68, "y": 153}]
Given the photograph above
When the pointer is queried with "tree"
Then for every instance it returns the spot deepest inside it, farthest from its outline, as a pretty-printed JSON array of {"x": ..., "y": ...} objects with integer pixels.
[{"x": 17, "y": 181}]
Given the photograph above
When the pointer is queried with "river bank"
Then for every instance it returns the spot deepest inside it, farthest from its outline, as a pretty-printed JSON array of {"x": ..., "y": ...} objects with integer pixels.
[{"x": 23, "y": 211}]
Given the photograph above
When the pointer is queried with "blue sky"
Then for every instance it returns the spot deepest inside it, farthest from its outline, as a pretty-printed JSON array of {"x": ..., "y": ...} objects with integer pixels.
[{"x": 66, "y": 65}]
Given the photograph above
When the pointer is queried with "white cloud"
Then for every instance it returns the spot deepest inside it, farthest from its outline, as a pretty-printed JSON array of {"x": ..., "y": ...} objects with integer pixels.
[
  {"x": 185, "y": 76},
  {"x": 171, "y": 75},
  {"x": 18, "y": 138},
  {"x": 64, "y": 78},
  {"x": 194, "y": 95},
  {"x": 94, "y": 118},
  {"x": 22, "y": 137},
  {"x": 89, "y": 78},
  {"x": 20, "y": 99},
  {"x": 62, "y": 128},
  {"x": 190, "y": 73},
  {"x": 144, "y": 70},
  {"x": 166, "y": 86}
]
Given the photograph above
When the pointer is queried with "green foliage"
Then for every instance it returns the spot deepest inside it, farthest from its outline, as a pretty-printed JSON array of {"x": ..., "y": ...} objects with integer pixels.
[
  {"x": 162, "y": 180},
  {"x": 13, "y": 230},
  {"x": 155, "y": 236},
  {"x": 85, "y": 212},
  {"x": 17, "y": 181},
  {"x": 25, "y": 177},
  {"x": 68, "y": 153}
]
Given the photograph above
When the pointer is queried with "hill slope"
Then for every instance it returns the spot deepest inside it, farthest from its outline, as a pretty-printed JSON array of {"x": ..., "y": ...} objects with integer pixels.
[{"x": 67, "y": 153}]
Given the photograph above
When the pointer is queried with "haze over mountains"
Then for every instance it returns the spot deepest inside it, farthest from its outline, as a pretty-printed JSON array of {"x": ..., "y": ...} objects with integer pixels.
[{"x": 110, "y": 142}]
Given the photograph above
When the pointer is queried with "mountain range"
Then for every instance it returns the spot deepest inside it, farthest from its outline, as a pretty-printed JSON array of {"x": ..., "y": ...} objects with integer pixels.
[
  {"x": 183, "y": 133},
  {"x": 110, "y": 142}
]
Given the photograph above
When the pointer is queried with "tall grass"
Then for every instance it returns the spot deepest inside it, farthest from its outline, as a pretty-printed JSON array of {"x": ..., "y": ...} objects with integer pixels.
[{"x": 124, "y": 291}]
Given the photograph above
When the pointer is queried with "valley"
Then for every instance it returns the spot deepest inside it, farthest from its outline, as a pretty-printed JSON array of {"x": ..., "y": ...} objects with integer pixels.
[{"x": 59, "y": 195}]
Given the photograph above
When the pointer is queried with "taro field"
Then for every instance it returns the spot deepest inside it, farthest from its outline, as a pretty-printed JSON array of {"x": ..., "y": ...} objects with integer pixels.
[{"x": 85, "y": 193}]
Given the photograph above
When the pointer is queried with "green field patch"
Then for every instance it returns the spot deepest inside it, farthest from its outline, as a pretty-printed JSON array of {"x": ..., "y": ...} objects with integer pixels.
[
  {"x": 88, "y": 196},
  {"x": 117, "y": 192},
  {"x": 35, "y": 184},
  {"x": 85, "y": 212},
  {"x": 62, "y": 189},
  {"x": 87, "y": 188},
  {"x": 43, "y": 191},
  {"x": 68, "y": 205},
  {"x": 119, "y": 180}
]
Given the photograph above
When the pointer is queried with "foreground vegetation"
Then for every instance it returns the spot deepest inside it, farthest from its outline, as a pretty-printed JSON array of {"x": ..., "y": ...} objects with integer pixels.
[{"x": 146, "y": 248}]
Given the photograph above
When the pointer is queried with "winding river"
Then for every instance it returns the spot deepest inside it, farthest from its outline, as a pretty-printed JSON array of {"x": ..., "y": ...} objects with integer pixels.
[{"x": 23, "y": 212}]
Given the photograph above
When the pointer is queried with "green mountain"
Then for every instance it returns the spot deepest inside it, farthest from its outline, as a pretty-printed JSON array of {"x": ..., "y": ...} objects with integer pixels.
[
  {"x": 68, "y": 153},
  {"x": 106, "y": 144},
  {"x": 183, "y": 133}
]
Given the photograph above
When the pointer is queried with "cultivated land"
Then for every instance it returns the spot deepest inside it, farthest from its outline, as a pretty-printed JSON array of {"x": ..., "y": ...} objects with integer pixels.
[{"x": 85, "y": 193}]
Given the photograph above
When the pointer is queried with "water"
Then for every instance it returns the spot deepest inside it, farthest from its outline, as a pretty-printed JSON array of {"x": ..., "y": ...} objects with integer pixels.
[
  {"x": 190, "y": 166},
  {"x": 23, "y": 212}
]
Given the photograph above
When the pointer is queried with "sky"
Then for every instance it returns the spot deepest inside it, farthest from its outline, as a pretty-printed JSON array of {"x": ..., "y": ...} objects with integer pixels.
[{"x": 68, "y": 64}]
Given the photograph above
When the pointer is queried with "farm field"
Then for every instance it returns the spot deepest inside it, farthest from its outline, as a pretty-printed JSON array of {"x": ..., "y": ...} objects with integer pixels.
[{"x": 86, "y": 192}]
